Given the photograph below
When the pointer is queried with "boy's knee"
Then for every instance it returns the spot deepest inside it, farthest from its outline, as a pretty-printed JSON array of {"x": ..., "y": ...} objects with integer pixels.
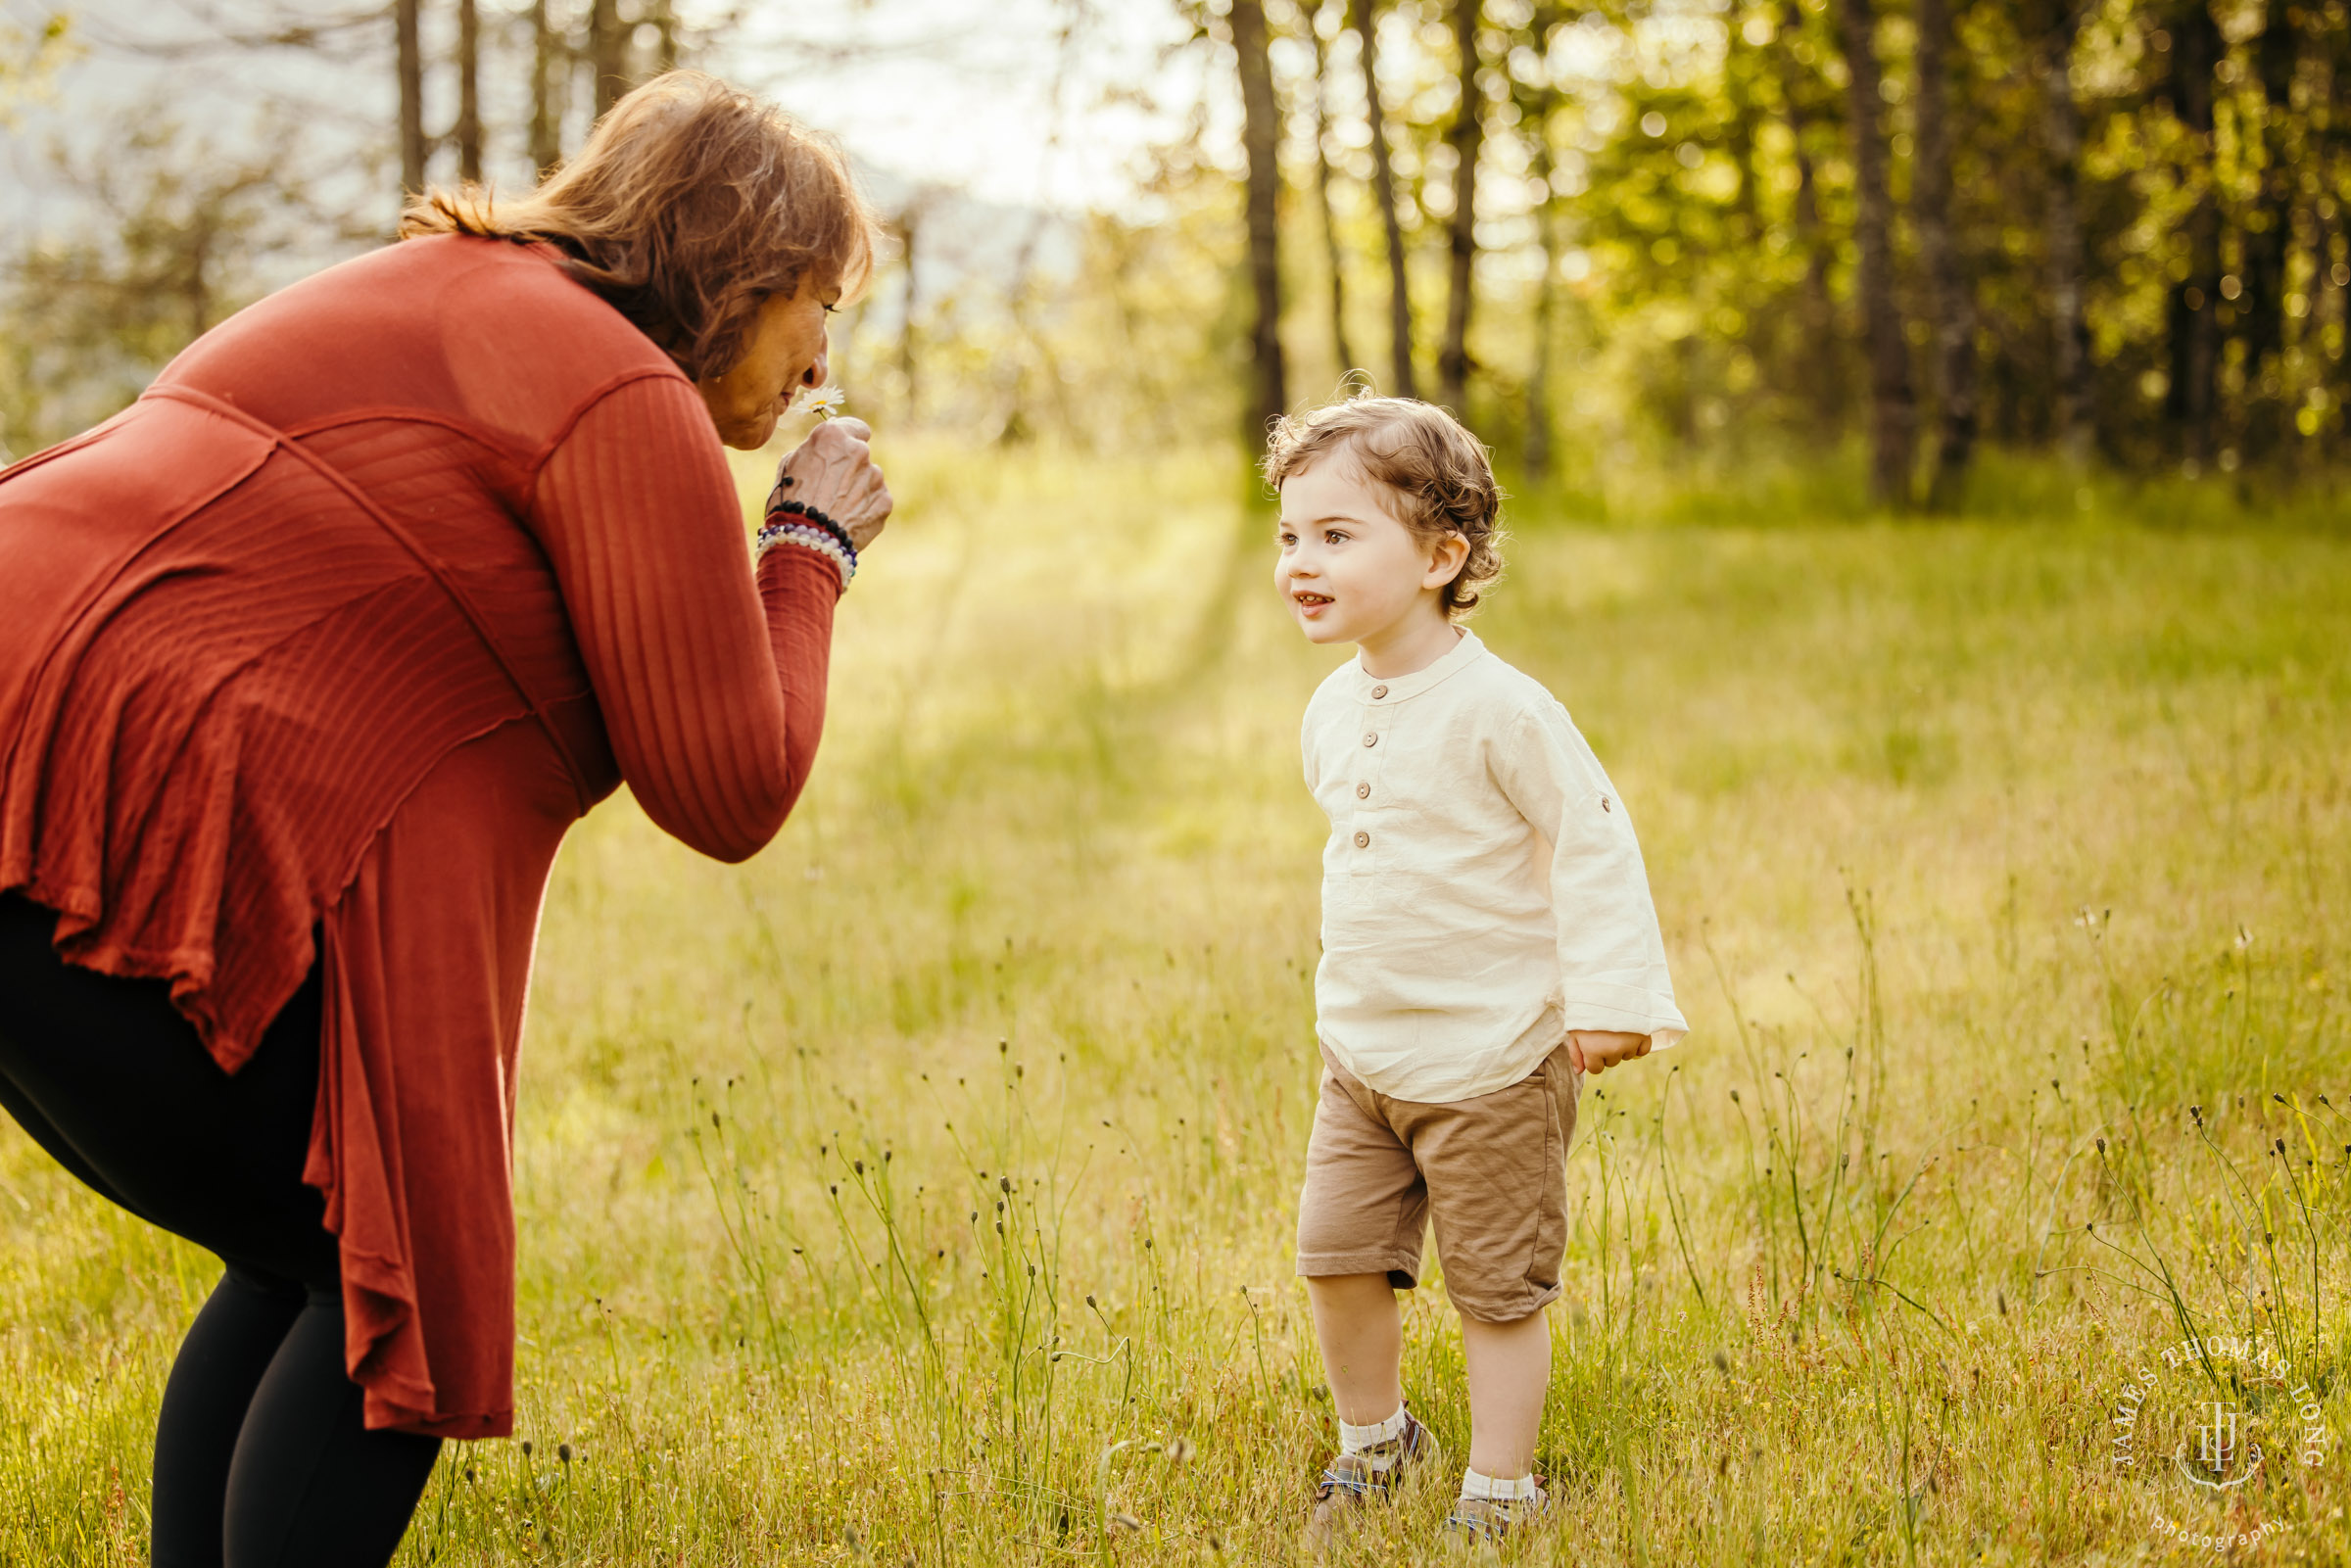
[{"x": 1502, "y": 1308}]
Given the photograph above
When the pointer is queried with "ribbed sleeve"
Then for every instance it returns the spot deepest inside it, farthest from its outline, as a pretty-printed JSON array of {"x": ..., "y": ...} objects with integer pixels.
[{"x": 712, "y": 683}]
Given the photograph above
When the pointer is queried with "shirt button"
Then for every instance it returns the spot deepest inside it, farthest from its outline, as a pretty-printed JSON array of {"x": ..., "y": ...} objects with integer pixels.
[
  {"x": 1604, "y": 804},
  {"x": 1362, "y": 791},
  {"x": 1371, "y": 739},
  {"x": 1379, "y": 692},
  {"x": 1363, "y": 840}
]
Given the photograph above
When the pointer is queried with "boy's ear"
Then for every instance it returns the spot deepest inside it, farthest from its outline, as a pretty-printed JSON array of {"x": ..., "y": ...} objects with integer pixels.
[{"x": 1446, "y": 559}]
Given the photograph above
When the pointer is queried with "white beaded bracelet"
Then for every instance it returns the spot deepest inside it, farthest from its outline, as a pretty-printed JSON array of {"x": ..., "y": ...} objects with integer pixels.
[{"x": 807, "y": 536}]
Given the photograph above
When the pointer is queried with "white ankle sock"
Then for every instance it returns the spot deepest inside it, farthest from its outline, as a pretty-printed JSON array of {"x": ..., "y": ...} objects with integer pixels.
[
  {"x": 1475, "y": 1486},
  {"x": 1358, "y": 1439}
]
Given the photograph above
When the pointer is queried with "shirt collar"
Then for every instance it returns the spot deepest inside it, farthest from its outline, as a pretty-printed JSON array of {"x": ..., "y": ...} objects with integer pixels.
[{"x": 1392, "y": 688}]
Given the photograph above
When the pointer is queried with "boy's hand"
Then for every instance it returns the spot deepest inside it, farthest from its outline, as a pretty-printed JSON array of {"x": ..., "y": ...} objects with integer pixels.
[{"x": 1598, "y": 1050}]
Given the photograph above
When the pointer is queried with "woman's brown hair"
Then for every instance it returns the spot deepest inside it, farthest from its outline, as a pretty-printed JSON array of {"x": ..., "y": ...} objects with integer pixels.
[
  {"x": 1439, "y": 473},
  {"x": 690, "y": 205}
]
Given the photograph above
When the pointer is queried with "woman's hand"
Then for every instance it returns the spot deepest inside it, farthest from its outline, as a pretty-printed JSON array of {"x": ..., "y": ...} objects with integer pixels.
[
  {"x": 1598, "y": 1050},
  {"x": 834, "y": 471}
]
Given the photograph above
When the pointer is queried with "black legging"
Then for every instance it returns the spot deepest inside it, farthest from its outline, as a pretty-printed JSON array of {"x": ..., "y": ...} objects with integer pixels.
[{"x": 261, "y": 1459}]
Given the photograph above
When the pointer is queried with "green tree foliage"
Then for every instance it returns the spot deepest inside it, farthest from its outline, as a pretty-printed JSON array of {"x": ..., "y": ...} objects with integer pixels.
[
  {"x": 2140, "y": 193},
  {"x": 2128, "y": 247},
  {"x": 27, "y": 57},
  {"x": 174, "y": 239}
]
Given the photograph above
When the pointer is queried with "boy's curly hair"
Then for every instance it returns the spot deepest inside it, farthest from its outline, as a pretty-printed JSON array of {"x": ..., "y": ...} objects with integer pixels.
[{"x": 1441, "y": 475}]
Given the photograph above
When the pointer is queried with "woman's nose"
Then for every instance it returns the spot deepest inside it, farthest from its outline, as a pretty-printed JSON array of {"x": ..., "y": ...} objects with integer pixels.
[{"x": 817, "y": 374}]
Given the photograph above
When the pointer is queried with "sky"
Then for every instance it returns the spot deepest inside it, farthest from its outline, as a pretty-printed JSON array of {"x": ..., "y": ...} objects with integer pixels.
[
  {"x": 1015, "y": 102},
  {"x": 986, "y": 95}
]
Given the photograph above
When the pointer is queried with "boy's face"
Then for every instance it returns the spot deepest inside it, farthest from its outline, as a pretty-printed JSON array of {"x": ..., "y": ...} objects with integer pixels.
[{"x": 1351, "y": 572}]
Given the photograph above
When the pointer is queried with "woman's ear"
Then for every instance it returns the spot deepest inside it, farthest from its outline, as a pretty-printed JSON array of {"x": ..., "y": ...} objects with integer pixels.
[{"x": 1446, "y": 559}]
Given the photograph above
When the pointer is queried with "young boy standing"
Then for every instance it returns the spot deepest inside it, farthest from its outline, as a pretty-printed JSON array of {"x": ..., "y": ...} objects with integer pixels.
[{"x": 1487, "y": 938}]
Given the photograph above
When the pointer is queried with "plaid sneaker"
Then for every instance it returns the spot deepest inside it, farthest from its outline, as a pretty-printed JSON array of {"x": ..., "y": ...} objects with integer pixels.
[
  {"x": 1491, "y": 1518},
  {"x": 1354, "y": 1479}
]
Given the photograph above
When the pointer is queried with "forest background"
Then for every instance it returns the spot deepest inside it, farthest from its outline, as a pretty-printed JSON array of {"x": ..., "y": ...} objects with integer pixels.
[{"x": 1860, "y": 241}]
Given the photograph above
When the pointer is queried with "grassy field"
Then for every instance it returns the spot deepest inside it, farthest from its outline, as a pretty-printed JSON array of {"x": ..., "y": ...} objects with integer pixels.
[{"x": 921, "y": 1192}]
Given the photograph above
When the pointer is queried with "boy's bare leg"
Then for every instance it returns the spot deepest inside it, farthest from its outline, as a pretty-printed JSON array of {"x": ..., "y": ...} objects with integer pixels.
[
  {"x": 1361, "y": 1335},
  {"x": 1510, "y": 1370}
]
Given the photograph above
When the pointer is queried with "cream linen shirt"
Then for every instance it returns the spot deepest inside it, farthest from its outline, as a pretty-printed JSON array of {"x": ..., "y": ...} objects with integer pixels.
[{"x": 1483, "y": 892}]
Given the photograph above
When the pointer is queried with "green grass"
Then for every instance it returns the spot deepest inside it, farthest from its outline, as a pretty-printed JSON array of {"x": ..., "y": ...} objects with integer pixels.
[
  {"x": 904, "y": 1195},
  {"x": 1768, "y": 481}
]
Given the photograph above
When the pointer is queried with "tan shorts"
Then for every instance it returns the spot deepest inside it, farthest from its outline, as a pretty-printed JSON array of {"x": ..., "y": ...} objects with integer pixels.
[{"x": 1491, "y": 1171}]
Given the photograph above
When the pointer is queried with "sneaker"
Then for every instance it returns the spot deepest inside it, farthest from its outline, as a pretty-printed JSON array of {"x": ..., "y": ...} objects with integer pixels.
[
  {"x": 1354, "y": 1479},
  {"x": 1478, "y": 1519}
]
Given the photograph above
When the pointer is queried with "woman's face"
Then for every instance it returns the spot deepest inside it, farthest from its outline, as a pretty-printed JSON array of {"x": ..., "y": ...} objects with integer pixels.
[{"x": 785, "y": 353}]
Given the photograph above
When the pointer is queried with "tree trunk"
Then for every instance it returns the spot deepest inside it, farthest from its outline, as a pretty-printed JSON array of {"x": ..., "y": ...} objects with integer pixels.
[
  {"x": 546, "y": 75},
  {"x": 608, "y": 53},
  {"x": 664, "y": 19},
  {"x": 910, "y": 228},
  {"x": 1261, "y": 140},
  {"x": 1740, "y": 69},
  {"x": 1892, "y": 410},
  {"x": 2269, "y": 231},
  {"x": 199, "y": 283},
  {"x": 2330, "y": 312},
  {"x": 1403, "y": 383},
  {"x": 1950, "y": 286},
  {"x": 1546, "y": 292},
  {"x": 1536, "y": 113},
  {"x": 470, "y": 93},
  {"x": 1819, "y": 315},
  {"x": 1330, "y": 222},
  {"x": 1467, "y": 138},
  {"x": 2069, "y": 359},
  {"x": 2193, "y": 403},
  {"x": 411, "y": 51}
]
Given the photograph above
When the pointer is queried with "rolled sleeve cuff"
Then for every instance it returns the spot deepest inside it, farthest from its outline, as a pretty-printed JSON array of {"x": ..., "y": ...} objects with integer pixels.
[{"x": 1623, "y": 1010}]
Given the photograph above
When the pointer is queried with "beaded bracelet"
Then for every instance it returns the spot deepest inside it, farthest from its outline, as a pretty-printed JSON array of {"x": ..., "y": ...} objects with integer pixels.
[
  {"x": 805, "y": 533},
  {"x": 807, "y": 537},
  {"x": 796, "y": 508},
  {"x": 808, "y": 540}
]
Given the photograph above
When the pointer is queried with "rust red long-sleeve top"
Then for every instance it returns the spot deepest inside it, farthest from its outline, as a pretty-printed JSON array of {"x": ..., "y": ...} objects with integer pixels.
[{"x": 313, "y": 655}]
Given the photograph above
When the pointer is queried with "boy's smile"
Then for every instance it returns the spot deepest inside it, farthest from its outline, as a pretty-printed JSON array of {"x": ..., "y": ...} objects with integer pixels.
[{"x": 1354, "y": 573}]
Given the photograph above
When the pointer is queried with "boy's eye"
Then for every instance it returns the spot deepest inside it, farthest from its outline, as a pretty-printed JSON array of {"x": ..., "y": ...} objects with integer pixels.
[{"x": 1334, "y": 537}]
